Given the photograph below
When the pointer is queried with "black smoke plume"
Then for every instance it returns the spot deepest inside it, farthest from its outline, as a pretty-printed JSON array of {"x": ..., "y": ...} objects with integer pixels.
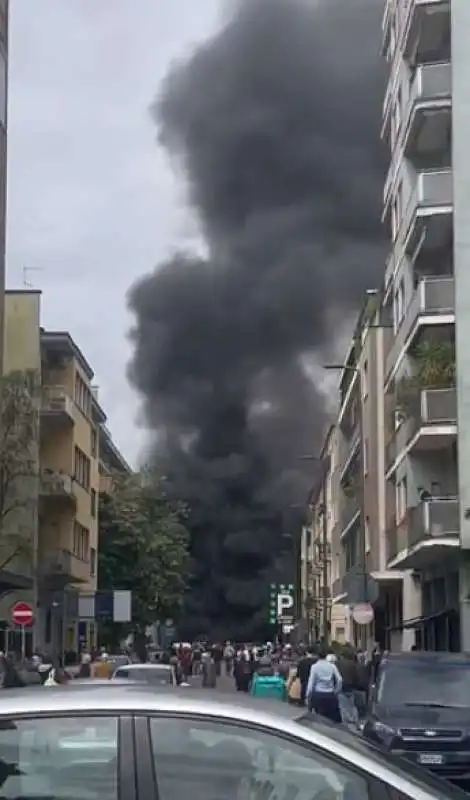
[{"x": 275, "y": 123}]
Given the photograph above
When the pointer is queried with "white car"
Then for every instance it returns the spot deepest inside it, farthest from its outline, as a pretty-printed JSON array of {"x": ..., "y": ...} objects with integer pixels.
[{"x": 153, "y": 674}]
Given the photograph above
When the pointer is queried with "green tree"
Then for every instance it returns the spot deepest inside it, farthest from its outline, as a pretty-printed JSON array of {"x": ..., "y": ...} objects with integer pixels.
[
  {"x": 18, "y": 467},
  {"x": 143, "y": 546}
]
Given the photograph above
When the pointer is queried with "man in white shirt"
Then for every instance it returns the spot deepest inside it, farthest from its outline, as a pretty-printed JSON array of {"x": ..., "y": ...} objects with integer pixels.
[{"x": 324, "y": 685}]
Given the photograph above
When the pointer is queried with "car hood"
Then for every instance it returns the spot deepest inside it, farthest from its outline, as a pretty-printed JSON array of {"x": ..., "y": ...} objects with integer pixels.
[{"x": 417, "y": 716}]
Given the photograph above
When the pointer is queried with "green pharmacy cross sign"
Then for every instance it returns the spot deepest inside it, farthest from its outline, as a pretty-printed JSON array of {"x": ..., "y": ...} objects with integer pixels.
[{"x": 277, "y": 591}]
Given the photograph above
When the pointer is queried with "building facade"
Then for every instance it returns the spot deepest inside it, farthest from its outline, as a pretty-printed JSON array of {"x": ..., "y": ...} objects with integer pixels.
[
  {"x": 427, "y": 302},
  {"x": 64, "y": 527}
]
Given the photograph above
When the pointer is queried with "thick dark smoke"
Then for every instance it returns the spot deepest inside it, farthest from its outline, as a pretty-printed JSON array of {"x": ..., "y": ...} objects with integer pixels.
[{"x": 275, "y": 123}]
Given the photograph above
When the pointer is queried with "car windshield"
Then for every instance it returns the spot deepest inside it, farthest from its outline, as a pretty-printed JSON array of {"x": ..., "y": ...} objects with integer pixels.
[
  {"x": 438, "y": 684},
  {"x": 160, "y": 674}
]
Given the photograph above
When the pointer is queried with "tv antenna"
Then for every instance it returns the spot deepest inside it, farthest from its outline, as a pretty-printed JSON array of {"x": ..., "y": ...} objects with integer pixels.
[{"x": 26, "y": 270}]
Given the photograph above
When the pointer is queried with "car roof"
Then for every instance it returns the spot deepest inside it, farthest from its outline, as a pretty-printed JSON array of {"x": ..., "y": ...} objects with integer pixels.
[
  {"x": 146, "y": 665},
  {"x": 281, "y": 719}
]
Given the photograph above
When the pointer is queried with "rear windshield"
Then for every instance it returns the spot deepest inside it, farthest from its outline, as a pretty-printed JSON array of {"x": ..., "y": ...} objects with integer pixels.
[{"x": 445, "y": 683}]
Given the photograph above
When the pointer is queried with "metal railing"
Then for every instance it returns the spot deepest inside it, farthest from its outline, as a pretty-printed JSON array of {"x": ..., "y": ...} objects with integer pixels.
[
  {"x": 424, "y": 407},
  {"x": 435, "y": 518},
  {"x": 431, "y": 296},
  {"x": 433, "y": 188},
  {"x": 431, "y": 82}
]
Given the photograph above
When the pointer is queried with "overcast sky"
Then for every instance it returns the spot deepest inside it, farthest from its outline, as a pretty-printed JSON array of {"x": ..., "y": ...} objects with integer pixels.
[{"x": 92, "y": 201}]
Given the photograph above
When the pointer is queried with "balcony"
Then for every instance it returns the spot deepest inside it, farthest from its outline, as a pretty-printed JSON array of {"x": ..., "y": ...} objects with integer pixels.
[
  {"x": 348, "y": 449},
  {"x": 337, "y": 591},
  {"x": 56, "y": 404},
  {"x": 349, "y": 510},
  {"x": 429, "y": 211},
  {"x": 58, "y": 568},
  {"x": 56, "y": 484},
  {"x": 429, "y": 423},
  {"x": 427, "y": 117},
  {"x": 426, "y": 30},
  {"x": 428, "y": 533},
  {"x": 432, "y": 303}
]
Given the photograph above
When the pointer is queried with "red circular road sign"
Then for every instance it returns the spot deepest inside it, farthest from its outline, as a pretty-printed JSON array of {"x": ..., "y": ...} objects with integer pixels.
[{"x": 21, "y": 614}]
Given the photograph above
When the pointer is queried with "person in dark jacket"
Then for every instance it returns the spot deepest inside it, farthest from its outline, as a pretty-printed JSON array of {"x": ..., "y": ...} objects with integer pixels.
[
  {"x": 303, "y": 672},
  {"x": 348, "y": 669}
]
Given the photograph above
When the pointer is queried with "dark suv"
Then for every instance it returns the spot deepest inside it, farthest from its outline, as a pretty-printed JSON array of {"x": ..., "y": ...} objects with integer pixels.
[{"x": 420, "y": 708}]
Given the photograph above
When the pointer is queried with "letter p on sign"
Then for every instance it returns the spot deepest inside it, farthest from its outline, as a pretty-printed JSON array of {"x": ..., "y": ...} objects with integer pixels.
[{"x": 285, "y": 606}]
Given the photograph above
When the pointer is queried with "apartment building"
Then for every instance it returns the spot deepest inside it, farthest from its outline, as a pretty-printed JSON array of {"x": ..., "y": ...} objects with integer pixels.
[
  {"x": 322, "y": 619},
  {"x": 358, "y": 488},
  {"x": 427, "y": 302},
  {"x": 65, "y": 529}
]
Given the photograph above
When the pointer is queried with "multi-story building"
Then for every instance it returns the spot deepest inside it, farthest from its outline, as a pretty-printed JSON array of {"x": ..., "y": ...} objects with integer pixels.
[
  {"x": 3, "y": 152},
  {"x": 322, "y": 620},
  {"x": 360, "y": 569},
  {"x": 64, "y": 529},
  {"x": 427, "y": 302}
]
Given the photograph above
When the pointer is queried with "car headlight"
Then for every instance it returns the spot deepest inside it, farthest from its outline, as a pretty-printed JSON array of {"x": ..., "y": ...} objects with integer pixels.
[{"x": 383, "y": 730}]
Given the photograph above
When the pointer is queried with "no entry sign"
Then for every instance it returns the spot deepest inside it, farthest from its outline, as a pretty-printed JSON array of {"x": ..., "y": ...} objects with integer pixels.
[{"x": 21, "y": 614}]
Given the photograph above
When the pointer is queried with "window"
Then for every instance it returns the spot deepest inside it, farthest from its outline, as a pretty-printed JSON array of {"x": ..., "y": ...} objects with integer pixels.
[
  {"x": 399, "y": 304},
  {"x": 82, "y": 395},
  {"x": 93, "y": 503},
  {"x": 218, "y": 759},
  {"x": 81, "y": 542},
  {"x": 60, "y": 757},
  {"x": 82, "y": 468},
  {"x": 366, "y": 456},
  {"x": 365, "y": 379},
  {"x": 92, "y": 561},
  {"x": 401, "y": 498},
  {"x": 94, "y": 443}
]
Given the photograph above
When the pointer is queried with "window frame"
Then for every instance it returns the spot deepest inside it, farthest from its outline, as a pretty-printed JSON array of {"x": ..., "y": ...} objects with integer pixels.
[
  {"x": 126, "y": 767},
  {"x": 377, "y": 788}
]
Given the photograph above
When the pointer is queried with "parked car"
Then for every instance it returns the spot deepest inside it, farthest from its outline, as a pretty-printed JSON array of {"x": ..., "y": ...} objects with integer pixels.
[
  {"x": 132, "y": 743},
  {"x": 420, "y": 708},
  {"x": 151, "y": 673}
]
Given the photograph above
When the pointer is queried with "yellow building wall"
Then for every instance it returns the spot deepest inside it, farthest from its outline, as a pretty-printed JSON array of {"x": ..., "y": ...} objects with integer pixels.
[{"x": 22, "y": 350}]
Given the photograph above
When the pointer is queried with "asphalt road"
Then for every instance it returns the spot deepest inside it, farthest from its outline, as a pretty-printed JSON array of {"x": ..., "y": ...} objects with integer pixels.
[{"x": 224, "y": 684}]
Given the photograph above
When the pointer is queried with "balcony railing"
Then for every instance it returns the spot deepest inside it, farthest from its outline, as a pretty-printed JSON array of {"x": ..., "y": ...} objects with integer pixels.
[
  {"x": 433, "y": 188},
  {"x": 55, "y": 399},
  {"x": 56, "y": 483},
  {"x": 349, "y": 508},
  {"x": 61, "y": 564},
  {"x": 347, "y": 448},
  {"x": 431, "y": 82},
  {"x": 424, "y": 408},
  {"x": 434, "y": 518},
  {"x": 431, "y": 296}
]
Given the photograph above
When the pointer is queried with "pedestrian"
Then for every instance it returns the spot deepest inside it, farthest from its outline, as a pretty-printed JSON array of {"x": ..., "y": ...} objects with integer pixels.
[
  {"x": 347, "y": 667},
  {"x": 229, "y": 654},
  {"x": 324, "y": 685},
  {"x": 303, "y": 672}
]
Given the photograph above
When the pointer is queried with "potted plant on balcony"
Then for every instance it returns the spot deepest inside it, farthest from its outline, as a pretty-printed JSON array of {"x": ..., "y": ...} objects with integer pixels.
[{"x": 435, "y": 369}]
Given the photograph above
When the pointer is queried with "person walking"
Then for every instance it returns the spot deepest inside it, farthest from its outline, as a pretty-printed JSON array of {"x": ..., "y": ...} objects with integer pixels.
[
  {"x": 303, "y": 672},
  {"x": 347, "y": 667},
  {"x": 324, "y": 685}
]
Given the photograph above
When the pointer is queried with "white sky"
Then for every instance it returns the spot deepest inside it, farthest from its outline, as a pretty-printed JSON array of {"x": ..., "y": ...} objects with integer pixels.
[{"x": 92, "y": 202}]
